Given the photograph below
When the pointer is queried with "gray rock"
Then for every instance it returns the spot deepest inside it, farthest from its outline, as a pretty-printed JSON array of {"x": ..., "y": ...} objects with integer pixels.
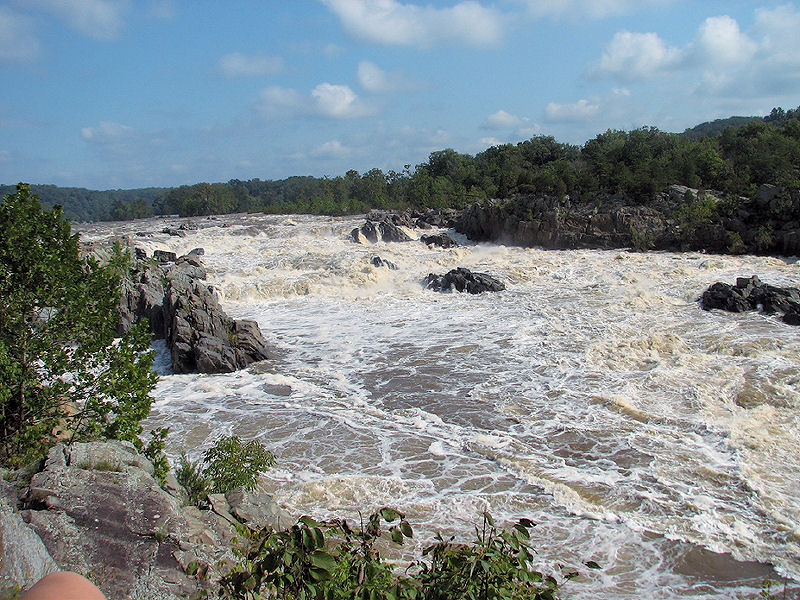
[
  {"x": 24, "y": 559},
  {"x": 98, "y": 511},
  {"x": 257, "y": 509}
]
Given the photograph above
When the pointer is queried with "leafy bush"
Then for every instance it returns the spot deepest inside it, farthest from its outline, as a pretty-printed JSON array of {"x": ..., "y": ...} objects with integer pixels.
[
  {"x": 227, "y": 465},
  {"x": 331, "y": 560}
]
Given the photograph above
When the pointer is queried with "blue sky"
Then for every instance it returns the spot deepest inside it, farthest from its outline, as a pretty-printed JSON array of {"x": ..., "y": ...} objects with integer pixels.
[{"x": 133, "y": 93}]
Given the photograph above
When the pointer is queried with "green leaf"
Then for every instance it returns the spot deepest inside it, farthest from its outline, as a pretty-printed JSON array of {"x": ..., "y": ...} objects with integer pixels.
[
  {"x": 397, "y": 536},
  {"x": 323, "y": 560},
  {"x": 389, "y": 514},
  {"x": 593, "y": 565},
  {"x": 406, "y": 529}
]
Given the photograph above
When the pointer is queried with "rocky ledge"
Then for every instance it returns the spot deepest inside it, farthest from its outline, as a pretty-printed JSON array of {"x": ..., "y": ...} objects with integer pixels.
[
  {"x": 750, "y": 293},
  {"x": 677, "y": 219},
  {"x": 171, "y": 292},
  {"x": 96, "y": 509}
]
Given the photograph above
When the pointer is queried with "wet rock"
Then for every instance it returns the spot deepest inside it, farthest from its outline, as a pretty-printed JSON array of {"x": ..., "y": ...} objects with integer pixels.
[
  {"x": 164, "y": 256},
  {"x": 750, "y": 293},
  {"x": 439, "y": 239},
  {"x": 382, "y": 231},
  {"x": 463, "y": 280},
  {"x": 379, "y": 262}
]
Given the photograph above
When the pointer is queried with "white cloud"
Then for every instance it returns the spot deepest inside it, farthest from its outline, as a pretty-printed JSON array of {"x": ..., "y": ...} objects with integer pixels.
[
  {"x": 326, "y": 100},
  {"x": 377, "y": 81},
  {"x": 17, "y": 42},
  {"x": 100, "y": 19},
  {"x": 502, "y": 120},
  {"x": 719, "y": 41},
  {"x": 632, "y": 56},
  {"x": 490, "y": 141},
  {"x": 582, "y": 110},
  {"x": 332, "y": 149},
  {"x": 594, "y": 9},
  {"x": 392, "y": 22},
  {"x": 242, "y": 65}
]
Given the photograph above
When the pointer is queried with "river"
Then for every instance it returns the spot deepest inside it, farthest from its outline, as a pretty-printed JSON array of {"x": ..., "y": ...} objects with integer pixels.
[{"x": 593, "y": 396}]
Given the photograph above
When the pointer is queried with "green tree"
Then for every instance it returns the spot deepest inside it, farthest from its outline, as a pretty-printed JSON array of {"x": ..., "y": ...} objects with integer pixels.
[{"x": 63, "y": 376}]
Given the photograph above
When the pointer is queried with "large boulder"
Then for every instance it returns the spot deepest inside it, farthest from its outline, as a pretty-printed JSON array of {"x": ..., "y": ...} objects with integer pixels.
[
  {"x": 463, "y": 280},
  {"x": 439, "y": 239},
  {"x": 750, "y": 293}
]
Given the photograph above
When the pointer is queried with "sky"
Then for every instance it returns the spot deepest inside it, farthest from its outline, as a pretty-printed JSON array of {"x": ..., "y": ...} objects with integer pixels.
[{"x": 108, "y": 94}]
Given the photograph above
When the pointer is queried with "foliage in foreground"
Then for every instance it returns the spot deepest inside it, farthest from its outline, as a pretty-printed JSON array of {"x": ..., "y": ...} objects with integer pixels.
[
  {"x": 226, "y": 465},
  {"x": 63, "y": 375},
  {"x": 331, "y": 560}
]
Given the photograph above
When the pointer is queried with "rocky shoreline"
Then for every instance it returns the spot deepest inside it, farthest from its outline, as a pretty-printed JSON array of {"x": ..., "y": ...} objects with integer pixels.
[{"x": 96, "y": 509}]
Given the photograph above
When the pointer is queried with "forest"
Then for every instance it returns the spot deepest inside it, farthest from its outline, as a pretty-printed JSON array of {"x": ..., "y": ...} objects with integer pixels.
[{"x": 733, "y": 156}]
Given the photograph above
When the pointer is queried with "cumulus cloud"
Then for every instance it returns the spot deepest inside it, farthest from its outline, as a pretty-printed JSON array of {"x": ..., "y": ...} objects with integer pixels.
[
  {"x": 594, "y": 9},
  {"x": 100, "y": 19},
  {"x": 490, "y": 141},
  {"x": 719, "y": 41},
  {"x": 325, "y": 100},
  {"x": 631, "y": 56},
  {"x": 582, "y": 110},
  {"x": 392, "y": 22},
  {"x": 720, "y": 60},
  {"x": 17, "y": 43},
  {"x": 241, "y": 65},
  {"x": 502, "y": 120}
]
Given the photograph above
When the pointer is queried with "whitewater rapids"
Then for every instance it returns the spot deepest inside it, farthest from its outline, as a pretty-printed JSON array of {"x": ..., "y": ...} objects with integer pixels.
[{"x": 593, "y": 396}]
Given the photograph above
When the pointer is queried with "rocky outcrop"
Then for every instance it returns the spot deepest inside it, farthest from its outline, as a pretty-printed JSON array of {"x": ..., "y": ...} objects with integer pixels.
[
  {"x": 183, "y": 309},
  {"x": 382, "y": 231},
  {"x": 439, "y": 239},
  {"x": 383, "y": 226},
  {"x": 96, "y": 509},
  {"x": 463, "y": 280},
  {"x": 750, "y": 293},
  {"x": 678, "y": 219}
]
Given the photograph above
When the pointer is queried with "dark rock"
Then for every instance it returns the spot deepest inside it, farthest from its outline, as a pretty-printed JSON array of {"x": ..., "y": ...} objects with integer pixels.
[
  {"x": 164, "y": 256},
  {"x": 463, "y": 280},
  {"x": 750, "y": 293},
  {"x": 384, "y": 231},
  {"x": 439, "y": 239},
  {"x": 377, "y": 261},
  {"x": 140, "y": 254}
]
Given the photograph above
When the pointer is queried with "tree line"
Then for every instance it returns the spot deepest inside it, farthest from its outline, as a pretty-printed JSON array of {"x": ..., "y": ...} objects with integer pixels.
[{"x": 733, "y": 156}]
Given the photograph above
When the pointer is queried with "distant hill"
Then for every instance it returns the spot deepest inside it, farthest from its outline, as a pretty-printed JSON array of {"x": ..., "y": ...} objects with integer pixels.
[
  {"x": 80, "y": 204},
  {"x": 714, "y": 128}
]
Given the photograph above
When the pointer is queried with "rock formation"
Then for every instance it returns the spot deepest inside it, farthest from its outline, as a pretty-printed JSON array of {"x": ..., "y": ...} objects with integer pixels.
[
  {"x": 439, "y": 239},
  {"x": 750, "y": 293},
  {"x": 96, "y": 509},
  {"x": 463, "y": 280},
  {"x": 182, "y": 308}
]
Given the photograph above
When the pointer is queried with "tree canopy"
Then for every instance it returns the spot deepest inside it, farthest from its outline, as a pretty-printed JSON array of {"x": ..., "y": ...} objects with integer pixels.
[{"x": 63, "y": 375}]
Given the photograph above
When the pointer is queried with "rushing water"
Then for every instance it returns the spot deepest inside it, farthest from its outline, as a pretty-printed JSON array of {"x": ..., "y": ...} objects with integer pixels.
[{"x": 593, "y": 396}]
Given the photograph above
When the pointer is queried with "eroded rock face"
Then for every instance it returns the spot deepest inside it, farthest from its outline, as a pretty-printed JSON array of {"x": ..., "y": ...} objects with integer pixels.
[
  {"x": 96, "y": 509},
  {"x": 463, "y": 280},
  {"x": 750, "y": 293},
  {"x": 382, "y": 231},
  {"x": 183, "y": 309}
]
